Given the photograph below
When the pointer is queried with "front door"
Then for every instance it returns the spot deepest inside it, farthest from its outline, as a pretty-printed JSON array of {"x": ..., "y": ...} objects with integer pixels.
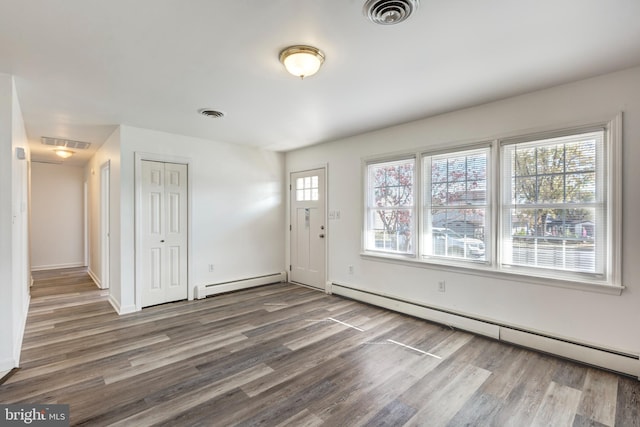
[
  {"x": 308, "y": 228},
  {"x": 164, "y": 232}
]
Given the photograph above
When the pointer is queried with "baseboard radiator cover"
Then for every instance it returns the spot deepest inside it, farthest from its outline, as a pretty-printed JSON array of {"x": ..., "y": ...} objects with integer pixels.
[
  {"x": 203, "y": 291},
  {"x": 628, "y": 364}
]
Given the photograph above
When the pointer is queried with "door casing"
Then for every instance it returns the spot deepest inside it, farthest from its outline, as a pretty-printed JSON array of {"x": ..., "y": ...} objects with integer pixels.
[
  {"x": 324, "y": 193},
  {"x": 105, "y": 238}
]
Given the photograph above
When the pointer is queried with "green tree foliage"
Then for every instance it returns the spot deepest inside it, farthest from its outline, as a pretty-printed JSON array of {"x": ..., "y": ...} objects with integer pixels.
[
  {"x": 545, "y": 176},
  {"x": 393, "y": 195},
  {"x": 458, "y": 187}
]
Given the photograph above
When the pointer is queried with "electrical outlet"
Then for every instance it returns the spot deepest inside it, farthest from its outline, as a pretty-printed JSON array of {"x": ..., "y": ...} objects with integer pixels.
[
  {"x": 441, "y": 286},
  {"x": 337, "y": 214},
  {"x": 350, "y": 269},
  {"x": 211, "y": 268}
]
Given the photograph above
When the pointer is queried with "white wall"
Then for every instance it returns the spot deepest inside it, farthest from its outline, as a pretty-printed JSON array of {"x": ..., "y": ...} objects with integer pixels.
[
  {"x": 608, "y": 321},
  {"x": 236, "y": 209},
  {"x": 109, "y": 153},
  {"x": 15, "y": 278},
  {"x": 57, "y": 216}
]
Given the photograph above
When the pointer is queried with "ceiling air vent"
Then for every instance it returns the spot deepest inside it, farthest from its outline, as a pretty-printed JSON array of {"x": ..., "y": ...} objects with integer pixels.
[
  {"x": 65, "y": 143},
  {"x": 214, "y": 114},
  {"x": 388, "y": 12}
]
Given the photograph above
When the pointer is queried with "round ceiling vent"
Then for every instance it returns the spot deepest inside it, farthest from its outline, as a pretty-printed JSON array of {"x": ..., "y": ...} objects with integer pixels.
[
  {"x": 211, "y": 113},
  {"x": 388, "y": 12}
]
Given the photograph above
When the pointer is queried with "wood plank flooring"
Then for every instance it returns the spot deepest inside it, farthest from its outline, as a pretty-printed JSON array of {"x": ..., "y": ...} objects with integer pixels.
[{"x": 284, "y": 355}]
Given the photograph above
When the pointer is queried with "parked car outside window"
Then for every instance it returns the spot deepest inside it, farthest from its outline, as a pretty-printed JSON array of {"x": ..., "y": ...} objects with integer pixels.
[{"x": 449, "y": 243}]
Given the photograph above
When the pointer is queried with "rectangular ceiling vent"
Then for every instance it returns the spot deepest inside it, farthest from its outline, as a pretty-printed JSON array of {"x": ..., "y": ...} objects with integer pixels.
[{"x": 65, "y": 143}]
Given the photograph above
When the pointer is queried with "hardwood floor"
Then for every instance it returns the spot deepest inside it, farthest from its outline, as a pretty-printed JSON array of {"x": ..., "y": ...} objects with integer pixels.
[{"x": 284, "y": 355}]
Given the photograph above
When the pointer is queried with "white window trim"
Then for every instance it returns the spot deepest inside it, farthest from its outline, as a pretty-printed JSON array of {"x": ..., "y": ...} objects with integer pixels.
[
  {"x": 611, "y": 284},
  {"x": 489, "y": 206},
  {"x": 416, "y": 204}
]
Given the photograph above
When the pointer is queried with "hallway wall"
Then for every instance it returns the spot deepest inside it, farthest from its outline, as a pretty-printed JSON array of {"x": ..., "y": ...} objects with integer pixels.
[
  {"x": 57, "y": 218},
  {"x": 15, "y": 277}
]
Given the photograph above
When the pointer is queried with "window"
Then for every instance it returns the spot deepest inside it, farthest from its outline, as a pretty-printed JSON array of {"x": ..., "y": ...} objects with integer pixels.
[
  {"x": 554, "y": 212},
  {"x": 307, "y": 188},
  {"x": 456, "y": 211},
  {"x": 543, "y": 207},
  {"x": 390, "y": 207}
]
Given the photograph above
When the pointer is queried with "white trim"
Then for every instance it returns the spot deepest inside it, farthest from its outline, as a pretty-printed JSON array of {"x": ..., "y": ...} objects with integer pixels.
[
  {"x": 615, "y": 195},
  {"x": 119, "y": 309},
  {"x": 7, "y": 365},
  {"x": 57, "y": 266},
  {"x": 166, "y": 158},
  {"x": 85, "y": 218},
  {"x": 415, "y": 208},
  {"x": 611, "y": 283},
  {"x": 615, "y": 360},
  {"x": 105, "y": 225},
  {"x": 23, "y": 327},
  {"x": 94, "y": 278},
  {"x": 203, "y": 291},
  {"x": 327, "y": 226}
]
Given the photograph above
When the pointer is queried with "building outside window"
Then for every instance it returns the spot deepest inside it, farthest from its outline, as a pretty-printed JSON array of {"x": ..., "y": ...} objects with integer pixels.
[
  {"x": 455, "y": 210},
  {"x": 543, "y": 207},
  {"x": 554, "y": 214}
]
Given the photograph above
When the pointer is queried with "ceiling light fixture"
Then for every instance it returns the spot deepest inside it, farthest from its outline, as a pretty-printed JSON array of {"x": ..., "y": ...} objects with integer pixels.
[
  {"x": 65, "y": 154},
  {"x": 302, "y": 61}
]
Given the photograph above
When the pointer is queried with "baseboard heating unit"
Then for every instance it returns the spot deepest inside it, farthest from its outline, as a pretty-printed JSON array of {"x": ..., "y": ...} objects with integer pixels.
[
  {"x": 628, "y": 364},
  {"x": 203, "y": 291}
]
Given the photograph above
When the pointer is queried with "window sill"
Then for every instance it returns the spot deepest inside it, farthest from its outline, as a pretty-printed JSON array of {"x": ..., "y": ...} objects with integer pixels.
[{"x": 482, "y": 269}]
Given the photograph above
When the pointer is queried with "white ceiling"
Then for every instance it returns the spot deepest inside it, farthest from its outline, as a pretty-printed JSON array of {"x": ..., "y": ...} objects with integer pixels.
[{"x": 82, "y": 67}]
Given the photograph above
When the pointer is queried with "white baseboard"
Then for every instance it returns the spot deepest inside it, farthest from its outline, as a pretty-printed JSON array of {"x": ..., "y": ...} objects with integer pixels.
[
  {"x": 203, "y": 291},
  {"x": 121, "y": 309},
  {"x": 6, "y": 365},
  {"x": 628, "y": 364},
  {"x": 56, "y": 266},
  {"x": 94, "y": 278},
  {"x": 127, "y": 309},
  {"x": 23, "y": 326}
]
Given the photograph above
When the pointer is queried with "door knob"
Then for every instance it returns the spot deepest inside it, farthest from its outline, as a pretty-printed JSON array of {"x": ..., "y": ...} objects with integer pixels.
[
  {"x": 161, "y": 241},
  {"x": 321, "y": 235}
]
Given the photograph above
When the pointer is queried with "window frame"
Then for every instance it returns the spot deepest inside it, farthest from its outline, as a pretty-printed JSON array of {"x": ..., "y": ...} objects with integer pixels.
[
  {"x": 368, "y": 209},
  {"x": 609, "y": 283},
  {"x": 426, "y": 232},
  {"x": 601, "y": 169}
]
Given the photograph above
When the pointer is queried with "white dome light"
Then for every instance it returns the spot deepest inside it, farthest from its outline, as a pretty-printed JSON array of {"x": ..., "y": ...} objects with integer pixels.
[{"x": 302, "y": 61}]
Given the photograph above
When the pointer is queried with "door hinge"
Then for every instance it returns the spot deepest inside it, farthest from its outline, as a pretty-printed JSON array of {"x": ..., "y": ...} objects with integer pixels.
[
  {"x": 290, "y": 228},
  {"x": 290, "y": 188},
  {"x": 289, "y": 267}
]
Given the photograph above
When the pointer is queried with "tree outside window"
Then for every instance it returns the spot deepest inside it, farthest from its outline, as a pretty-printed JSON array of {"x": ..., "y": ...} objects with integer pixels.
[
  {"x": 555, "y": 205},
  {"x": 390, "y": 206},
  {"x": 455, "y": 211}
]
